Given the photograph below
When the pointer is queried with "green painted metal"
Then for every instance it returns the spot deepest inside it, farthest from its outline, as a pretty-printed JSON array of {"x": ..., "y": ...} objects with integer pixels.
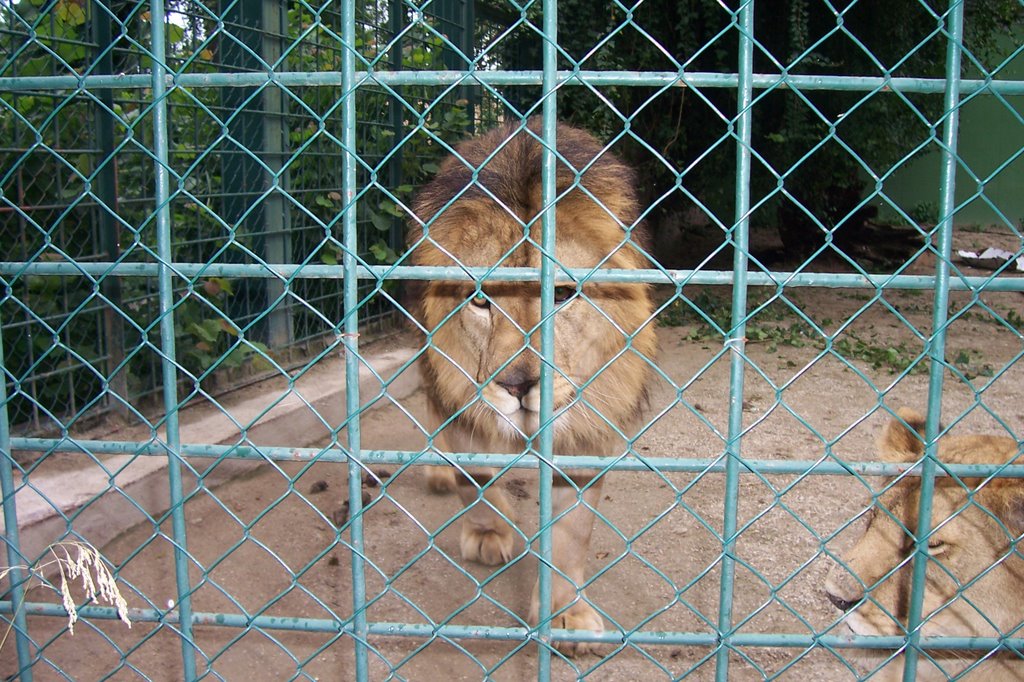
[
  {"x": 382, "y": 629},
  {"x": 360, "y": 73},
  {"x": 937, "y": 340},
  {"x": 161, "y": 141},
  {"x": 18, "y": 577},
  {"x": 545, "y": 437},
  {"x": 740, "y": 237},
  {"x": 290, "y": 271},
  {"x": 683, "y": 462},
  {"x": 350, "y": 341},
  {"x": 493, "y": 78}
]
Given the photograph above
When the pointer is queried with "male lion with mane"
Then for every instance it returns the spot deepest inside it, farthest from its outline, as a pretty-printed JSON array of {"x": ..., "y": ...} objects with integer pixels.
[
  {"x": 482, "y": 366},
  {"x": 974, "y": 585}
]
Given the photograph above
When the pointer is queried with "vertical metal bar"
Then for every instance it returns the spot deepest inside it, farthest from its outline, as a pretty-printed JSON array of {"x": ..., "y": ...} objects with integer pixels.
[
  {"x": 740, "y": 234},
  {"x": 937, "y": 342},
  {"x": 243, "y": 178},
  {"x": 545, "y": 443},
  {"x": 15, "y": 558},
  {"x": 106, "y": 194},
  {"x": 350, "y": 335},
  {"x": 469, "y": 91},
  {"x": 396, "y": 21},
  {"x": 276, "y": 211},
  {"x": 161, "y": 144}
]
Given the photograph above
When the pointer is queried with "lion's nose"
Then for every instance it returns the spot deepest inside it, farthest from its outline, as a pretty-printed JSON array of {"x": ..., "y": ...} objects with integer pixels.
[
  {"x": 518, "y": 383},
  {"x": 840, "y": 603}
]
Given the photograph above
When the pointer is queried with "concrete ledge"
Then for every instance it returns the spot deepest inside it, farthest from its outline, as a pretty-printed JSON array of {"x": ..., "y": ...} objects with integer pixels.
[{"x": 101, "y": 505}]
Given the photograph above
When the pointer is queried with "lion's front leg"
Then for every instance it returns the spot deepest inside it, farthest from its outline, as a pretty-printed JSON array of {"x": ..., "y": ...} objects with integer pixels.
[
  {"x": 441, "y": 479},
  {"x": 488, "y": 536},
  {"x": 570, "y": 547},
  {"x": 487, "y": 533}
]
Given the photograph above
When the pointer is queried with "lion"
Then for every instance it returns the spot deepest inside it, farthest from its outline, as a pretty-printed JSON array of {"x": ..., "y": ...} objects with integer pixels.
[
  {"x": 974, "y": 583},
  {"x": 482, "y": 367}
]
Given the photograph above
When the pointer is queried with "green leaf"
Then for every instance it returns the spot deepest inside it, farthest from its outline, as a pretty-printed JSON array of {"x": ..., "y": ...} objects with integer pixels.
[
  {"x": 39, "y": 66},
  {"x": 69, "y": 13},
  {"x": 321, "y": 200},
  {"x": 380, "y": 221},
  {"x": 383, "y": 253},
  {"x": 204, "y": 331},
  {"x": 390, "y": 208},
  {"x": 175, "y": 33}
]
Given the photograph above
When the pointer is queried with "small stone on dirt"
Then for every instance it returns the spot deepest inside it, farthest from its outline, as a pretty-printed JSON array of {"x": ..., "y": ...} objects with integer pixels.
[
  {"x": 340, "y": 517},
  {"x": 376, "y": 477},
  {"x": 318, "y": 487}
]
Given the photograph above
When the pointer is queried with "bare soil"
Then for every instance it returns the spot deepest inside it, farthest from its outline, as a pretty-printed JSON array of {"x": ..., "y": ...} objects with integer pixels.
[{"x": 267, "y": 545}]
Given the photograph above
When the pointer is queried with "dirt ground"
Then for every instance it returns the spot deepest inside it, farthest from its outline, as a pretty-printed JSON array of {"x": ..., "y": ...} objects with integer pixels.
[{"x": 266, "y": 545}]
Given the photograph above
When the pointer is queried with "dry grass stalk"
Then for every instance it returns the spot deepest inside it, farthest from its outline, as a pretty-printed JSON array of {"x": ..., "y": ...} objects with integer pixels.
[{"x": 97, "y": 580}]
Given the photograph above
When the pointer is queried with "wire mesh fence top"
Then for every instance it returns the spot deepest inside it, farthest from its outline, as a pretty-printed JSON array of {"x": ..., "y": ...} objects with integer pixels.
[{"x": 709, "y": 313}]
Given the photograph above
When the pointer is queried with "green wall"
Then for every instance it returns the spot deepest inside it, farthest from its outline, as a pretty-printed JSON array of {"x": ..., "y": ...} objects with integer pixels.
[{"x": 990, "y": 177}]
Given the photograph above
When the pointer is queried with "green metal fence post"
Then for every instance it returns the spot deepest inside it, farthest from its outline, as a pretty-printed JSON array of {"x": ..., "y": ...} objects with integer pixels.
[
  {"x": 16, "y": 578},
  {"x": 545, "y": 445},
  {"x": 737, "y": 333},
  {"x": 396, "y": 176},
  {"x": 350, "y": 336},
  {"x": 276, "y": 211},
  {"x": 169, "y": 369},
  {"x": 937, "y": 342},
  {"x": 109, "y": 228},
  {"x": 244, "y": 178},
  {"x": 469, "y": 90}
]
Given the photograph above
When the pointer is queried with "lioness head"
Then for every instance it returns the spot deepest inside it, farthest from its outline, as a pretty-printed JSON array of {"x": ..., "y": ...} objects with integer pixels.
[
  {"x": 975, "y": 575},
  {"x": 483, "y": 363}
]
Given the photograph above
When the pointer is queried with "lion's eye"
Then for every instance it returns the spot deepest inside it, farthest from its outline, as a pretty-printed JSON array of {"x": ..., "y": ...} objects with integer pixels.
[
  {"x": 936, "y": 547},
  {"x": 480, "y": 300},
  {"x": 563, "y": 294}
]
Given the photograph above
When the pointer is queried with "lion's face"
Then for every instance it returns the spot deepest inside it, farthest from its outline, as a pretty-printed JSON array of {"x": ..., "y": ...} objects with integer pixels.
[
  {"x": 975, "y": 573},
  {"x": 483, "y": 363}
]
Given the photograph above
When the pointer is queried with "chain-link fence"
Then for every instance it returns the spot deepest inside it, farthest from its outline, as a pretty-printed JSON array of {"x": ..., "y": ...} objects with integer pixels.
[
  {"x": 257, "y": 181},
  {"x": 196, "y": 193}
]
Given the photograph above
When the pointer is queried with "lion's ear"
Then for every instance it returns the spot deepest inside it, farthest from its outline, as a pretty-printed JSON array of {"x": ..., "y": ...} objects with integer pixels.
[{"x": 902, "y": 439}]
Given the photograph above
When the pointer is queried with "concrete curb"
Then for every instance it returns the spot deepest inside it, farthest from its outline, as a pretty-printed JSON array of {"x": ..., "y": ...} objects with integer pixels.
[{"x": 99, "y": 505}]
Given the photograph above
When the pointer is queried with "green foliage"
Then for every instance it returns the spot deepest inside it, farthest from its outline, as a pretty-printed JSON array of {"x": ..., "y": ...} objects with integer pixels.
[
  {"x": 925, "y": 213},
  {"x": 211, "y": 339},
  {"x": 774, "y": 324},
  {"x": 54, "y": 178},
  {"x": 895, "y": 358},
  {"x": 814, "y": 143}
]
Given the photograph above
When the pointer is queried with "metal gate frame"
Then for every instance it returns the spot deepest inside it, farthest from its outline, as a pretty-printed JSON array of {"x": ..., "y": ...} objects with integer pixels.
[{"x": 747, "y": 85}]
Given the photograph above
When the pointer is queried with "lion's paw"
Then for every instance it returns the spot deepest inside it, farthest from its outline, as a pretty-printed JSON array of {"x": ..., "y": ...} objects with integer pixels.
[
  {"x": 580, "y": 616},
  {"x": 441, "y": 479},
  {"x": 488, "y": 546}
]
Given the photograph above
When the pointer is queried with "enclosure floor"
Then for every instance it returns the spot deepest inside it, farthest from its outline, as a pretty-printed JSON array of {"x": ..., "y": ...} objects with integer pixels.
[{"x": 663, "y": 559}]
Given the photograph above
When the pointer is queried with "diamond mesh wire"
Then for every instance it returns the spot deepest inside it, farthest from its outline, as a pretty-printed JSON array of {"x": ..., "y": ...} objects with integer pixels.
[{"x": 193, "y": 193}]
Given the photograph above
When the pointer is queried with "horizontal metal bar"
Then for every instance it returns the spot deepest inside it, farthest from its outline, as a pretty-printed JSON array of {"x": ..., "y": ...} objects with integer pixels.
[
  {"x": 285, "y": 271},
  {"x": 681, "y": 464},
  {"x": 650, "y": 79},
  {"x": 519, "y": 634}
]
